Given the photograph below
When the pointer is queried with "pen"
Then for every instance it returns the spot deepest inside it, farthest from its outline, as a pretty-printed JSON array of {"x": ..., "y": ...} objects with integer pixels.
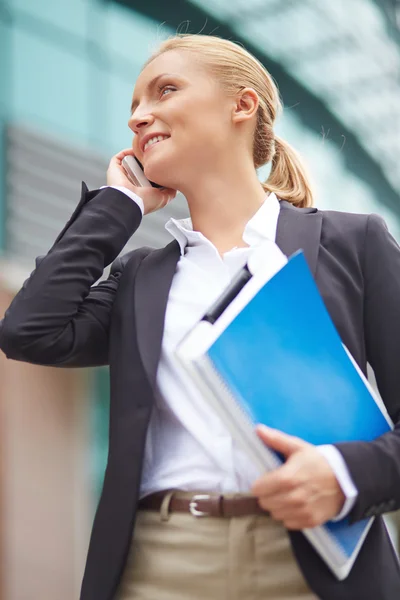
[{"x": 237, "y": 283}]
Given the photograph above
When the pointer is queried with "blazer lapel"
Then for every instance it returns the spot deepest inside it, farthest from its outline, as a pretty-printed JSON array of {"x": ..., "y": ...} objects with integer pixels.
[
  {"x": 152, "y": 285},
  {"x": 299, "y": 228}
]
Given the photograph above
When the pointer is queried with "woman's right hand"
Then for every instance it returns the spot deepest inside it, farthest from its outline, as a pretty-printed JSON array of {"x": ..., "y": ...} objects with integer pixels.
[{"x": 153, "y": 198}]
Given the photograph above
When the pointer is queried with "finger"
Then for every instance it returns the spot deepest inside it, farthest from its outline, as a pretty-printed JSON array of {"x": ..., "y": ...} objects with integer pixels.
[
  {"x": 282, "y": 480},
  {"x": 126, "y": 152},
  {"x": 294, "y": 518},
  {"x": 297, "y": 500},
  {"x": 293, "y": 524},
  {"x": 279, "y": 441},
  {"x": 304, "y": 516},
  {"x": 168, "y": 194},
  {"x": 297, "y": 523},
  {"x": 117, "y": 158},
  {"x": 172, "y": 194}
]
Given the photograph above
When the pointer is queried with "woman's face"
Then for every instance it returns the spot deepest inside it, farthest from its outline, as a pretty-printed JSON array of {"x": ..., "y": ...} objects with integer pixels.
[{"x": 175, "y": 97}]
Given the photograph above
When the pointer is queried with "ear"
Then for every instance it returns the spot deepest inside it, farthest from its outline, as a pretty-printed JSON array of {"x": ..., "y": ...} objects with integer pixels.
[{"x": 245, "y": 106}]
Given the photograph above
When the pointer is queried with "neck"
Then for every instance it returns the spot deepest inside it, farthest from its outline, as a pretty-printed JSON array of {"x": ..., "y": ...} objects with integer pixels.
[{"x": 220, "y": 207}]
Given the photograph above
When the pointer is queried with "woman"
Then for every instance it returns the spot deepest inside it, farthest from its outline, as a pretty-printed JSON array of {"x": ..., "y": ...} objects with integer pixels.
[{"x": 203, "y": 112}]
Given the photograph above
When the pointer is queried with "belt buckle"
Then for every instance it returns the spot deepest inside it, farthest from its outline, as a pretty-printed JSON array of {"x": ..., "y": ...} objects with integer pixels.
[{"x": 193, "y": 504}]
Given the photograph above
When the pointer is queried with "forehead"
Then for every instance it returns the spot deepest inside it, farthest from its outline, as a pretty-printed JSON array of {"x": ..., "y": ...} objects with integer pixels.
[{"x": 182, "y": 63}]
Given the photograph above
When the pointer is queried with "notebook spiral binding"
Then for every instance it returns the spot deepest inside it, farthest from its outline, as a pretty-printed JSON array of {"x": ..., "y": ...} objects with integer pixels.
[{"x": 241, "y": 427}]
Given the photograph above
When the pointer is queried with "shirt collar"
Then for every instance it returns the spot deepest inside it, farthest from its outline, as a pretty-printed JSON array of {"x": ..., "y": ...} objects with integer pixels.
[{"x": 260, "y": 227}]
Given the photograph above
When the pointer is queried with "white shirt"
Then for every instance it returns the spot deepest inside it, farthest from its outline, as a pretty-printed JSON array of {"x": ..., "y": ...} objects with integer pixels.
[{"x": 188, "y": 446}]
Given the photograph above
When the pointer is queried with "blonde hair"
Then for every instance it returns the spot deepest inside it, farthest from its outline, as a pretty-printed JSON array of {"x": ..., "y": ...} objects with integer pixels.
[{"x": 236, "y": 69}]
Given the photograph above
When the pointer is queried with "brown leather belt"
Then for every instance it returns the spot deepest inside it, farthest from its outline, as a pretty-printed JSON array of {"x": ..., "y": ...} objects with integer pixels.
[{"x": 205, "y": 505}]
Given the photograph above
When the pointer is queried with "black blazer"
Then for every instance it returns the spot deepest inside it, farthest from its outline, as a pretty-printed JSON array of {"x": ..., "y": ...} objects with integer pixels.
[{"x": 58, "y": 319}]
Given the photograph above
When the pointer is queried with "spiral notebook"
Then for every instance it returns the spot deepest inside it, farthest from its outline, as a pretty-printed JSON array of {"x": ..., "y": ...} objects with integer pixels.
[{"x": 268, "y": 352}]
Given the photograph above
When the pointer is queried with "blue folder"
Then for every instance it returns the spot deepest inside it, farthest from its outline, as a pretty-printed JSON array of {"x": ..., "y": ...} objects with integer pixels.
[{"x": 283, "y": 363}]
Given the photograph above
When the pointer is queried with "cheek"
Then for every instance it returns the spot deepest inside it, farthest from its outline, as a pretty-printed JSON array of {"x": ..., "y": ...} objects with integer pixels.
[
  {"x": 135, "y": 146},
  {"x": 212, "y": 126},
  {"x": 200, "y": 133},
  {"x": 192, "y": 119}
]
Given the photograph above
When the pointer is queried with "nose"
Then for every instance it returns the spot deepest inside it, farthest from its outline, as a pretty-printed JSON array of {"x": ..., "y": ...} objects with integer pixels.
[{"x": 137, "y": 122}]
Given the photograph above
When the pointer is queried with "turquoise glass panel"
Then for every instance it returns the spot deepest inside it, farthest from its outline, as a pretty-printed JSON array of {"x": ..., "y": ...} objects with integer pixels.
[
  {"x": 120, "y": 98},
  {"x": 70, "y": 16},
  {"x": 49, "y": 86},
  {"x": 131, "y": 35},
  {"x": 5, "y": 102}
]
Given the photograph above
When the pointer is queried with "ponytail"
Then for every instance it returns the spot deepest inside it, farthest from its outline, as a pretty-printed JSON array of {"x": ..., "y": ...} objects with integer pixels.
[{"x": 288, "y": 178}]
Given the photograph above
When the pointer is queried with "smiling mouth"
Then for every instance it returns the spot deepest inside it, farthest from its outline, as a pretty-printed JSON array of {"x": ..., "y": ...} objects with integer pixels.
[{"x": 154, "y": 141}]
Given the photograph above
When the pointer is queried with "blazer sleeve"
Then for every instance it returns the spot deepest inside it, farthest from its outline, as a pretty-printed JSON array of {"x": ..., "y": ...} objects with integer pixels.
[
  {"x": 375, "y": 466},
  {"x": 59, "y": 317}
]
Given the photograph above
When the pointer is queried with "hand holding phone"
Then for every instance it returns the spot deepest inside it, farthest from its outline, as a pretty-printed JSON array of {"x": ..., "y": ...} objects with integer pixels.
[
  {"x": 134, "y": 170},
  {"x": 125, "y": 170}
]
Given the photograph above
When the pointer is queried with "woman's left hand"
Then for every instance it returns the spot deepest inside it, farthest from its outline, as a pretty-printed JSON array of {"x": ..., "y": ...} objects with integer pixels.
[{"x": 304, "y": 491}]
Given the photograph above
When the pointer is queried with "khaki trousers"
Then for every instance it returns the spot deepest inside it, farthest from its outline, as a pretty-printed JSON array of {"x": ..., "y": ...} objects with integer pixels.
[{"x": 176, "y": 556}]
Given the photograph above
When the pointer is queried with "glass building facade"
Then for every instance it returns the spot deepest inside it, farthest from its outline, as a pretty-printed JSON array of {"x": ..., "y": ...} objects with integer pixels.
[{"x": 67, "y": 76}]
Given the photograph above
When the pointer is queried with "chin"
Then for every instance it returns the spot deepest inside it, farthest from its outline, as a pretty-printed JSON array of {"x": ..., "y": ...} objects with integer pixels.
[{"x": 159, "y": 173}]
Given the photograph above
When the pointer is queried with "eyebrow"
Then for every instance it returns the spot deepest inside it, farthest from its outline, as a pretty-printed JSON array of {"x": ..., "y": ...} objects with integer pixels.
[{"x": 149, "y": 87}]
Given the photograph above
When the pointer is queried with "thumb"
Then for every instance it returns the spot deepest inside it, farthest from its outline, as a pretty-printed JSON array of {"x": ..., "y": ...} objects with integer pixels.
[
  {"x": 279, "y": 441},
  {"x": 168, "y": 195}
]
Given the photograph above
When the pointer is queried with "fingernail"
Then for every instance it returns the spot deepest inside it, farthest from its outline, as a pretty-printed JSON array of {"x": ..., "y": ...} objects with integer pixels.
[{"x": 263, "y": 428}]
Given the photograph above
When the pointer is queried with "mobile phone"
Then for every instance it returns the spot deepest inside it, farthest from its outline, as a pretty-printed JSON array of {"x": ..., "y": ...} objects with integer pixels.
[{"x": 134, "y": 171}]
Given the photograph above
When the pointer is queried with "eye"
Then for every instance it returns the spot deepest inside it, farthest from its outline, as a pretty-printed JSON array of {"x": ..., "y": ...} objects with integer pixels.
[{"x": 164, "y": 88}]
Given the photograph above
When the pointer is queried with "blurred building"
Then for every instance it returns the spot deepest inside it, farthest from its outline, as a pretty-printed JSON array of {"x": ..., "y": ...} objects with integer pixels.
[{"x": 66, "y": 80}]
